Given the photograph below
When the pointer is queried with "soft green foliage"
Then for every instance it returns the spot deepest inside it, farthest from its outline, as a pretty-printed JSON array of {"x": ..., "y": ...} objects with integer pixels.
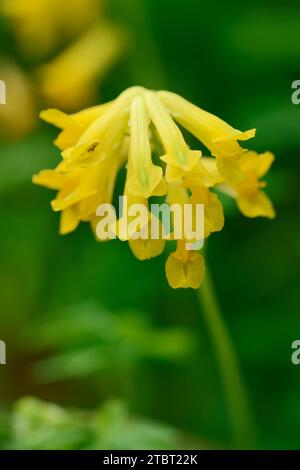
[
  {"x": 21, "y": 160},
  {"x": 36, "y": 425},
  {"x": 86, "y": 339}
]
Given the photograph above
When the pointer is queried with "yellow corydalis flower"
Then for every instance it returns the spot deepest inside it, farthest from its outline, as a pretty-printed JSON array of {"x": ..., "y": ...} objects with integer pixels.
[
  {"x": 70, "y": 79},
  {"x": 251, "y": 200},
  {"x": 42, "y": 25},
  {"x": 218, "y": 136},
  {"x": 75, "y": 46},
  {"x": 138, "y": 131},
  {"x": 185, "y": 268},
  {"x": 178, "y": 155},
  {"x": 144, "y": 178}
]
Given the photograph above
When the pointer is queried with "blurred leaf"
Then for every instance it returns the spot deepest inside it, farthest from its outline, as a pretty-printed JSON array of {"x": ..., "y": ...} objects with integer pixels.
[
  {"x": 39, "y": 425},
  {"x": 115, "y": 429},
  {"x": 85, "y": 338},
  {"x": 4, "y": 427}
]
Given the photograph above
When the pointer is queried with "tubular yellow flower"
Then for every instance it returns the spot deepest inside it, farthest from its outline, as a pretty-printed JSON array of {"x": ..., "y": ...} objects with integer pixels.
[
  {"x": 42, "y": 25},
  {"x": 98, "y": 142},
  {"x": 251, "y": 200},
  {"x": 178, "y": 153},
  {"x": 69, "y": 80},
  {"x": 185, "y": 268},
  {"x": 146, "y": 248},
  {"x": 128, "y": 227},
  {"x": 218, "y": 136},
  {"x": 213, "y": 209},
  {"x": 144, "y": 178},
  {"x": 73, "y": 44},
  {"x": 73, "y": 125}
]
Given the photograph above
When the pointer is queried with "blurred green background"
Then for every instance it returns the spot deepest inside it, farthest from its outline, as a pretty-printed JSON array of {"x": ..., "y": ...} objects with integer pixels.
[{"x": 127, "y": 360}]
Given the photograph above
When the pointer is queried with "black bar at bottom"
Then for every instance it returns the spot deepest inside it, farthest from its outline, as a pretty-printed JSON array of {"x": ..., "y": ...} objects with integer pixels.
[{"x": 132, "y": 458}]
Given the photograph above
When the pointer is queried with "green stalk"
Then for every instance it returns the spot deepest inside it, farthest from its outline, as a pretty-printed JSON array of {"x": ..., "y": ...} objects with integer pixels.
[
  {"x": 234, "y": 388},
  {"x": 145, "y": 64}
]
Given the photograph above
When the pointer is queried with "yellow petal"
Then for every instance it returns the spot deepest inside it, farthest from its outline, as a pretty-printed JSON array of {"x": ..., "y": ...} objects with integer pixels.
[
  {"x": 69, "y": 220},
  {"x": 57, "y": 118},
  {"x": 236, "y": 135},
  {"x": 50, "y": 179},
  {"x": 101, "y": 127},
  {"x": 132, "y": 221},
  {"x": 73, "y": 125},
  {"x": 69, "y": 80},
  {"x": 42, "y": 25},
  {"x": 213, "y": 209},
  {"x": 218, "y": 136},
  {"x": 230, "y": 169},
  {"x": 82, "y": 155},
  {"x": 80, "y": 186},
  {"x": 72, "y": 131},
  {"x": 204, "y": 173},
  {"x": 143, "y": 177},
  {"x": 258, "y": 205},
  {"x": 81, "y": 119},
  {"x": 175, "y": 173},
  {"x": 87, "y": 207},
  {"x": 184, "y": 273},
  {"x": 178, "y": 153},
  {"x": 177, "y": 194},
  {"x": 257, "y": 164},
  {"x": 146, "y": 249},
  {"x": 161, "y": 188},
  {"x": 210, "y": 164}
]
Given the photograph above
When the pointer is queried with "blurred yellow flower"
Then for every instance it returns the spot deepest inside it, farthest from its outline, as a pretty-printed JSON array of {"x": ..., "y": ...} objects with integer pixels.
[
  {"x": 71, "y": 44},
  {"x": 42, "y": 25},
  {"x": 18, "y": 115},
  {"x": 130, "y": 132},
  {"x": 251, "y": 200},
  {"x": 70, "y": 79}
]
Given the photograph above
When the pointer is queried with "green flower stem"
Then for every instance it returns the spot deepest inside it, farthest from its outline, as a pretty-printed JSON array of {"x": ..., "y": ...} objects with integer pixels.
[
  {"x": 145, "y": 63},
  {"x": 234, "y": 388}
]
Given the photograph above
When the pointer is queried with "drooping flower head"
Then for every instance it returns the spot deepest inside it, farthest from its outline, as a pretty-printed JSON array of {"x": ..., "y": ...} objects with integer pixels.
[{"x": 139, "y": 131}]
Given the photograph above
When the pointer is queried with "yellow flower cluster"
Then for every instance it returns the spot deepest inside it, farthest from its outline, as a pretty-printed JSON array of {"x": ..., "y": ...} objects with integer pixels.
[
  {"x": 42, "y": 25},
  {"x": 140, "y": 131},
  {"x": 73, "y": 43}
]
